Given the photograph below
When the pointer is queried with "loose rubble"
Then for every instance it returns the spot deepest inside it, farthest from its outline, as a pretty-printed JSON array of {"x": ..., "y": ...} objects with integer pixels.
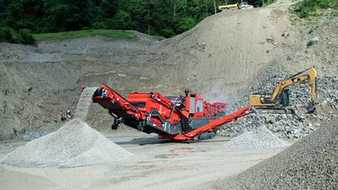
[
  {"x": 260, "y": 139},
  {"x": 75, "y": 144},
  {"x": 285, "y": 125}
]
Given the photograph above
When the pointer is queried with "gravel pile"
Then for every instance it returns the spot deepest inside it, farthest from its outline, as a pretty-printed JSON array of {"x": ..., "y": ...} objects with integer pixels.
[
  {"x": 287, "y": 126},
  {"x": 75, "y": 144},
  {"x": 259, "y": 139},
  {"x": 328, "y": 89},
  {"x": 311, "y": 163}
]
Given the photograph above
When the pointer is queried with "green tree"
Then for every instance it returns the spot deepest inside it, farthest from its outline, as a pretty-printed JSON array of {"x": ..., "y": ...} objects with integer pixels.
[
  {"x": 109, "y": 8},
  {"x": 24, "y": 14},
  {"x": 185, "y": 24},
  {"x": 121, "y": 20}
]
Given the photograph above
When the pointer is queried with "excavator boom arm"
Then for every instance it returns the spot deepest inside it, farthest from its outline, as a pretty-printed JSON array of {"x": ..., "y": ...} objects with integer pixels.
[{"x": 309, "y": 75}]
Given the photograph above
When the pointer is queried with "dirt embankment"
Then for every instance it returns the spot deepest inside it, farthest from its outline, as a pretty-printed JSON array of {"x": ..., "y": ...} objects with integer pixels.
[
  {"x": 224, "y": 52},
  {"x": 40, "y": 83}
]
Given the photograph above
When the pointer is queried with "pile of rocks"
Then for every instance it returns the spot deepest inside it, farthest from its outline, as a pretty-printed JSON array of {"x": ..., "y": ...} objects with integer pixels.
[
  {"x": 284, "y": 125},
  {"x": 328, "y": 90},
  {"x": 73, "y": 145},
  {"x": 259, "y": 139},
  {"x": 287, "y": 125}
]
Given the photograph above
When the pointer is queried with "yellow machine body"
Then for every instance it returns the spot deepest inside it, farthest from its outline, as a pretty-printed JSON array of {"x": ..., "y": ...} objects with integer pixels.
[
  {"x": 255, "y": 100},
  {"x": 229, "y": 6}
]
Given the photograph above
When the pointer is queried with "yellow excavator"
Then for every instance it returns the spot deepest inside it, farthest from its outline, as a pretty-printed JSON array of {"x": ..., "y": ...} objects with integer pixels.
[
  {"x": 241, "y": 5},
  {"x": 279, "y": 99}
]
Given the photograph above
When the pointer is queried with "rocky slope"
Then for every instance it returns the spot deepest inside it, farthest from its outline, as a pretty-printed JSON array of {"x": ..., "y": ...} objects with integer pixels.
[{"x": 311, "y": 163}]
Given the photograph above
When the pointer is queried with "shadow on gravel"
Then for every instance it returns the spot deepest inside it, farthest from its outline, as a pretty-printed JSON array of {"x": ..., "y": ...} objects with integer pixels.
[
  {"x": 156, "y": 140},
  {"x": 144, "y": 141}
]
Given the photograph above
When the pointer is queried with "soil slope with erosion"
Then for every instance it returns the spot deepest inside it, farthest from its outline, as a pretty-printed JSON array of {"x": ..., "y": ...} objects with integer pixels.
[
  {"x": 39, "y": 83},
  {"x": 225, "y": 51}
]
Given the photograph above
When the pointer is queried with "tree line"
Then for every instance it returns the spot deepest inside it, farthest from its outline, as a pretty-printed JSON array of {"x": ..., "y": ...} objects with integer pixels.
[{"x": 19, "y": 18}]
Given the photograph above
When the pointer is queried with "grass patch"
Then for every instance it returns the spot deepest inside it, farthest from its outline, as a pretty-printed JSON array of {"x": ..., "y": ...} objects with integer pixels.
[
  {"x": 307, "y": 8},
  {"x": 84, "y": 33}
]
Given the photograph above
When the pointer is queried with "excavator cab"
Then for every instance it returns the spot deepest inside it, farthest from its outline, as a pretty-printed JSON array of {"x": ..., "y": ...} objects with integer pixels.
[{"x": 285, "y": 98}]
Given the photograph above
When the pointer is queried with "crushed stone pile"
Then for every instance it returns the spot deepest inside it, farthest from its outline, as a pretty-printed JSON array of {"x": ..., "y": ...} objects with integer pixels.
[
  {"x": 259, "y": 139},
  {"x": 285, "y": 126},
  {"x": 74, "y": 144},
  {"x": 310, "y": 163}
]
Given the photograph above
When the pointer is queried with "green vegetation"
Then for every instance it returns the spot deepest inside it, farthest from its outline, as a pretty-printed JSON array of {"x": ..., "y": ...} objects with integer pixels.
[
  {"x": 266, "y": 2},
  {"x": 19, "y": 18},
  {"x": 308, "y": 8},
  {"x": 84, "y": 33},
  {"x": 8, "y": 34}
]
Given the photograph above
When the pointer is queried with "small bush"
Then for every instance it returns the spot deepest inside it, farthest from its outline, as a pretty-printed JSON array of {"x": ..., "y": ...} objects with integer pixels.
[
  {"x": 167, "y": 32},
  {"x": 27, "y": 37},
  {"x": 185, "y": 24},
  {"x": 5, "y": 34},
  {"x": 308, "y": 8},
  {"x": 8, "y": 34}
]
